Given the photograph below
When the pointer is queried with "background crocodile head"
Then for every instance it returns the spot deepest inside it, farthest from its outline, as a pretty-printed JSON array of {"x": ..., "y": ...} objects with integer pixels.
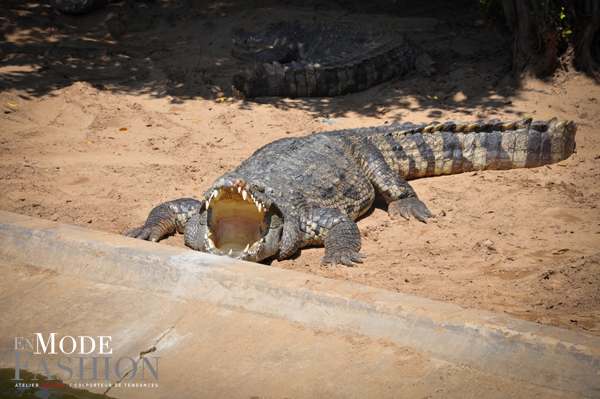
[
  {"x": 237, "y": 220},
  {"x": 274, "y": 34}
]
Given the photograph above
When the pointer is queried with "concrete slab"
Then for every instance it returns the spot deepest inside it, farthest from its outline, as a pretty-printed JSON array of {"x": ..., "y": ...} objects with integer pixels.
[
  {"x": 561, "y": 361},
  {"x": 207, "y": 351}
]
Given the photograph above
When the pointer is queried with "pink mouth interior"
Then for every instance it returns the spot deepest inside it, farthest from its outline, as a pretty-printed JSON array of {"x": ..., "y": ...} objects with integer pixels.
[{"x": 236, "y": 232}]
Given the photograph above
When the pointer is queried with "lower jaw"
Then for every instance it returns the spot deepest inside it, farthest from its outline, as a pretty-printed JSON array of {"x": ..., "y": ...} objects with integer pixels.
[{"x": 234, "y": 250}]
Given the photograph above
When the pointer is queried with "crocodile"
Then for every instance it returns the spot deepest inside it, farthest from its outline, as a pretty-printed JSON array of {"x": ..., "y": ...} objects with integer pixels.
[
  {"x": 316, "y": 59},
  {"x": 309, "y": 190}
]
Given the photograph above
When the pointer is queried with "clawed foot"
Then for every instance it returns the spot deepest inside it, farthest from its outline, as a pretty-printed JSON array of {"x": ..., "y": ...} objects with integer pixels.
[
  {"x": 145, "y": 233},
  {"x": 410, "y": 206},
  {"x": 345, "y": 258}
]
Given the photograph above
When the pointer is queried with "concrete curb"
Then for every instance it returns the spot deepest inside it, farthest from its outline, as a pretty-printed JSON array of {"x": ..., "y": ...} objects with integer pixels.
[{"x": 507, "y": 347}]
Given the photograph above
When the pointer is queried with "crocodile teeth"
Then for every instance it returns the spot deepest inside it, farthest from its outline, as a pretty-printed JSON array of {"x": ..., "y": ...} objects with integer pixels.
[
  {"x": 247, "y": 247},
  {"x": 239, "y": 189},
  {"x": 259, "y": 207},
  {"x": 212, "y": 195},
  {"x": 210, "y": 244},
  {"x": 230, "y": 252},
  {"x": 244, "y": 194}
]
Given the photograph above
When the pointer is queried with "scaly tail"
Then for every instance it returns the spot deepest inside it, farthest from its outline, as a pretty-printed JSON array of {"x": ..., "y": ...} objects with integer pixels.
[{"x": 437, "y": 149}]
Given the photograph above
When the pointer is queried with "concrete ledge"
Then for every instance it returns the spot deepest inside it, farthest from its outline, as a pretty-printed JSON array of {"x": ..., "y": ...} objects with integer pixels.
[{"x": 507, "y": 347}]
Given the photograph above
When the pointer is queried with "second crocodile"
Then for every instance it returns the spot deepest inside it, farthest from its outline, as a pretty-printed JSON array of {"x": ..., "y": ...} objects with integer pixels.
[{"x": 315, "y": 59}]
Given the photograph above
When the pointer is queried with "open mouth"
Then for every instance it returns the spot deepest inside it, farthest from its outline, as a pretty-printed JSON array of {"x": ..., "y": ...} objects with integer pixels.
[{"x": 237, "y": 223}]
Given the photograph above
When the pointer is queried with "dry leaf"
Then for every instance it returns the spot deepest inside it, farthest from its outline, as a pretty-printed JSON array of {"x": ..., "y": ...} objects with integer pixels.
[
  {"x": 122, "y": 129},
  {"x": 12, "y": 105},
  {"x": 221, "y": 99},
  {"x": 197, "y": 120}
]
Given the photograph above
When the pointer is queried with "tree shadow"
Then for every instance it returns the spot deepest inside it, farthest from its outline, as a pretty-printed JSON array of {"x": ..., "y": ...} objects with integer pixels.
[{"x": 180, "y": 50}]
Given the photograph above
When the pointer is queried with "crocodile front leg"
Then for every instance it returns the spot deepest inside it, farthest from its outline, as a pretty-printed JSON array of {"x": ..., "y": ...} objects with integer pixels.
[
  {"x": 337, "y": 231},
  {"x": 166, "y": 218}
]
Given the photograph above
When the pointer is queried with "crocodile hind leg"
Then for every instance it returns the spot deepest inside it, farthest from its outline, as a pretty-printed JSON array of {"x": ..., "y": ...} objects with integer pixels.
[
  {"x": 336, "y": 231},
  {"x": 166, "y": 218},
  {"x": 399, "y": 195},
  {"x": 410, "y": 206}
]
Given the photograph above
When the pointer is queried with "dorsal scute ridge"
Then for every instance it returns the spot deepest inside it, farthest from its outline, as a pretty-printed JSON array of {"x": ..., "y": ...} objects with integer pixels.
[{"x": 480, "y": 126}]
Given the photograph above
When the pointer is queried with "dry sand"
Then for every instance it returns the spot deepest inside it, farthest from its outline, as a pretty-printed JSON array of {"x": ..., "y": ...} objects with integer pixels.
[{"x": 107, "y": 115}]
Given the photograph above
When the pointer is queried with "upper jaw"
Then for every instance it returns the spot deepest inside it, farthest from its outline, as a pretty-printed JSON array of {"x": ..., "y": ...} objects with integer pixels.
[
  {"x": 241, "y": 221},
  {"x": 249, "y": 40}
]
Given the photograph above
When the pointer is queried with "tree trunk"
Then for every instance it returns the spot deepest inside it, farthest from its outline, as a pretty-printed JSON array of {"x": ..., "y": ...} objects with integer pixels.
[
  {"x": 544, "y": 29},
  {"x": 587, "y": 46}
]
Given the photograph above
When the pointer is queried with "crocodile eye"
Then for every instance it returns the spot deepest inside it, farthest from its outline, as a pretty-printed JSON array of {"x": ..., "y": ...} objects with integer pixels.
[{"x": 259, "y": 188}]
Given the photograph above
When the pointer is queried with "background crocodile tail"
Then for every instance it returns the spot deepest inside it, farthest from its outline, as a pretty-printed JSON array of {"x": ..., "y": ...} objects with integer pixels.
[
  {"x": 436, "y": 149},
  {"x": 303, "y": 79}
]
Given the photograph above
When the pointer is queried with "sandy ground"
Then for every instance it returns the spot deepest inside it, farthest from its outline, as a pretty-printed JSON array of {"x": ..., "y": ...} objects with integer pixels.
[{"x": 107, "y": 115}]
